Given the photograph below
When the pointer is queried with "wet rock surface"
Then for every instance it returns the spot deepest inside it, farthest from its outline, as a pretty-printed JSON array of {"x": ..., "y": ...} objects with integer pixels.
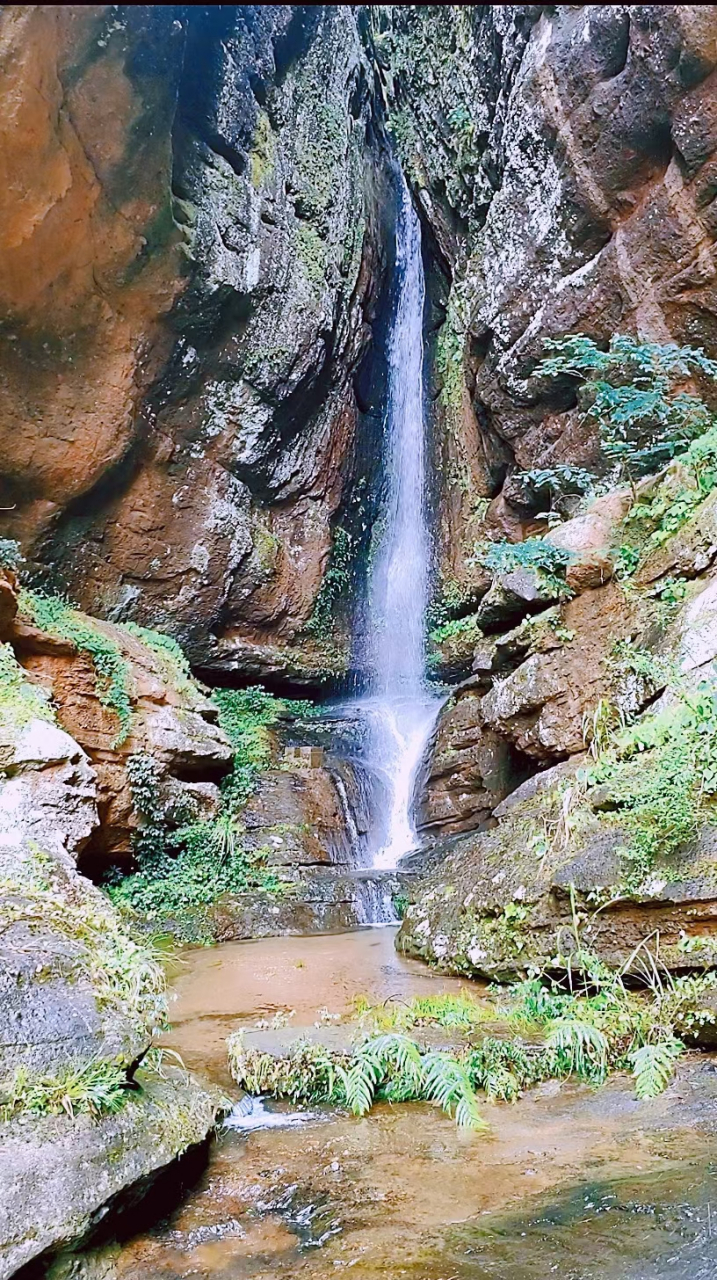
[
  {"x": 212, "y": 255},
  {"x": 562, "y": 161}
]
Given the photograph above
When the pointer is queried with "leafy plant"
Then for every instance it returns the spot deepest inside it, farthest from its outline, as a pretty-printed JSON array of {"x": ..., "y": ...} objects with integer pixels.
[
  {"x": 99, "y": 1088},
  {"x": 190, "y": 866},
  {"x": 560, "y": 481},
  {"x": 633, "y": 391},
  {"x": 11, "y": 556},
  {"x": 112, "y": 673},
  {"x": 582, "y": 1045},
  {"x": 653, "y": 1066},
  {"x": 661, "y": 773},
  {"x": 547, "y": 561}
]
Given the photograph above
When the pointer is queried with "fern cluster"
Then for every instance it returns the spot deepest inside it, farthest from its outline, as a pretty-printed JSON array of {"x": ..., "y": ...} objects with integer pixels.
[{"x": 389, "y": 1068}]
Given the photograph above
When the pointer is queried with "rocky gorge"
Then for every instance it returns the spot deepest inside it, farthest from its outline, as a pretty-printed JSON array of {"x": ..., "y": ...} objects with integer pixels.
[{"x": 292, "y": 297}]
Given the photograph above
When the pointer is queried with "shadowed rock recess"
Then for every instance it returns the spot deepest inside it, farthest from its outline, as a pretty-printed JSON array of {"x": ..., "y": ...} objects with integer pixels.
[{"x": 198, "y": 280}]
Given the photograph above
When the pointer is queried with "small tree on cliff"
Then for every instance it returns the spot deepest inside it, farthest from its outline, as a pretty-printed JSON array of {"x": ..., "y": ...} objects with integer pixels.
[{"x": 635, "y": 393}]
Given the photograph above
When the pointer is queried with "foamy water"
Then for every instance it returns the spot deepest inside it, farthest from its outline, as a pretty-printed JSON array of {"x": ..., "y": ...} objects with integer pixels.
[{"x": 400, "y": 710}]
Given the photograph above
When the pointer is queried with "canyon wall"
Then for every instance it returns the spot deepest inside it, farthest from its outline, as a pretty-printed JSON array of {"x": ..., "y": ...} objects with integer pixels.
[
  {"x": 191, "y": 252},
  {"x": 563, "y": 159}
]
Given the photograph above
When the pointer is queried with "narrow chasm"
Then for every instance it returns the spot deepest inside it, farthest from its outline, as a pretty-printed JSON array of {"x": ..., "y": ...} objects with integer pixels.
[{"x": 358, "y": 621}]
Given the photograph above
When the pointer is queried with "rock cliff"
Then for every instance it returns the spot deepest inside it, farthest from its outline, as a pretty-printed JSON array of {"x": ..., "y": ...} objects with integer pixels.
[
  {"x": 562, "y": 158},
  {"x": 191, "y": 253}
]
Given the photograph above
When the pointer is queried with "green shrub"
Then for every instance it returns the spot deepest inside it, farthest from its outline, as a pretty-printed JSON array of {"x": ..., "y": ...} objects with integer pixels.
[
  {"x": 546, "y": 561},
  {"x": 11, "y": 556},
  {"x": 465, "y": 629},
  {"x": 633, "y": 393}
]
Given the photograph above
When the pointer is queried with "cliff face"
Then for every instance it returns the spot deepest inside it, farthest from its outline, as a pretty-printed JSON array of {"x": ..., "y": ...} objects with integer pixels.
[
  {"x": 564, "y": 160},
  {"x": 190, "y": 248},
  {"x": 194, "y": 239}
]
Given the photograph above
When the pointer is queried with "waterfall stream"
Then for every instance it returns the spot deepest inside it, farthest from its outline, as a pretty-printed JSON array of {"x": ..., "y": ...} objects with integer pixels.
[{"x": 399, "y": 709}]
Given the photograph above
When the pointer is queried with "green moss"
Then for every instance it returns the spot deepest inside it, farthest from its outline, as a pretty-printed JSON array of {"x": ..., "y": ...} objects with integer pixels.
[
  {"x": 335, "y": 586},
  {"x": 20, "y": 701},
  {"x": 313, "y": 254},
  {"x": 450, "y": 349},
  {"x": 262, "y": 154},
  {"x": 124, "y": 975},
  {"x": 322, "y": 153},
  {"x": 112, "y": 671},
  {"x": 172, "y": 659}
]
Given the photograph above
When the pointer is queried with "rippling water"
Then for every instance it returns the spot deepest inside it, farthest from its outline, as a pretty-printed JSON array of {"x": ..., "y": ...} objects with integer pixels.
[{"x": 574, "y": 1182}]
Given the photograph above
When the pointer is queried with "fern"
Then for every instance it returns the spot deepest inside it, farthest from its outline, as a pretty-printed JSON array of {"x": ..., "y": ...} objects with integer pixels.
[
  {"x": 584, "y": 1048},
  {"x": 653, "y": 1066},
  {"x": 446, "y": 1081}
]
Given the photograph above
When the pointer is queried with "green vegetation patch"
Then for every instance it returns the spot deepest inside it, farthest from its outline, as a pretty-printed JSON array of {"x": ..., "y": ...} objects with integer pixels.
[
  {"x": 173, "y": 662},
  {"x": 334, "y": 588},
  {"x": 20, "y": 701},
  {"x": 546, "y": 561},
  {"x": 191, "y": 866},
  {"x": 541, "y": 1029},
  {"x": 98, "y": 1088},
  {"x": 388, "y": 1068},
  {"x": 660, "y": 774},
  {"x": 124, "y": 975},
  {"x": 634, "y": 392},
  {"x": 462, "y": 629},
  {"x": 313, "y": 254},
  {"x": 112, "y": 671}
]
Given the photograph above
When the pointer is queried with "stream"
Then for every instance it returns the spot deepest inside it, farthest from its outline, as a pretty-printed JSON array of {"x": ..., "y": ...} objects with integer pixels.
[{"x": 569, "y": 1181}]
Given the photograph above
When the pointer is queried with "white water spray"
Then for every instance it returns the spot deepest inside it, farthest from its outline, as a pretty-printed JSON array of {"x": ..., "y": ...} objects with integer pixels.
[{"x": 401, "y": 712}]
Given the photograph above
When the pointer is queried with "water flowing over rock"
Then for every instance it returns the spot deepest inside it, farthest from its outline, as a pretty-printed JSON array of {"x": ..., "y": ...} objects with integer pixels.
[{"x": 400, "y": 710}]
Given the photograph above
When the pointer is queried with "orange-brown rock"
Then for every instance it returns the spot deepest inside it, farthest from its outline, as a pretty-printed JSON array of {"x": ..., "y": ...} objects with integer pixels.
[
  {"x": 189, "y": 258},
  {"x": 471, "y": 769},
  {"x": 171, "y": 721}
]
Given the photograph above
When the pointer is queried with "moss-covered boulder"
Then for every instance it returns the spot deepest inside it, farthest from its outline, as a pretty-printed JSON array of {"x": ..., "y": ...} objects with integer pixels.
[{"x": 79, "y": 1001}]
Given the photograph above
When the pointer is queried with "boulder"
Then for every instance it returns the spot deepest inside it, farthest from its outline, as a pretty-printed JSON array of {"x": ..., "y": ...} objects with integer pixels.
[
  {"x": 77, "y": 995},
  {"x": 541, "y": 705},
  {"x": 471, "y": 769},
  {"x": 172, "y": 721}
]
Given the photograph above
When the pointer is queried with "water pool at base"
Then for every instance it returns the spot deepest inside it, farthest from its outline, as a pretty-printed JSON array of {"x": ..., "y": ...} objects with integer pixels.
[{"x": 570, "y": 1181}]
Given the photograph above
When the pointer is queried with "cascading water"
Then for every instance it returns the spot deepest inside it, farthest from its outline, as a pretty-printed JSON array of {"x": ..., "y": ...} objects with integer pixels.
[{"x": 399, "y": 709}]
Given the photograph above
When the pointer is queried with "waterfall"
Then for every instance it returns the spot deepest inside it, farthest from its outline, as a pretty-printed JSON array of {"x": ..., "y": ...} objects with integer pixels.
[{"x": 400, "y": 711}]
